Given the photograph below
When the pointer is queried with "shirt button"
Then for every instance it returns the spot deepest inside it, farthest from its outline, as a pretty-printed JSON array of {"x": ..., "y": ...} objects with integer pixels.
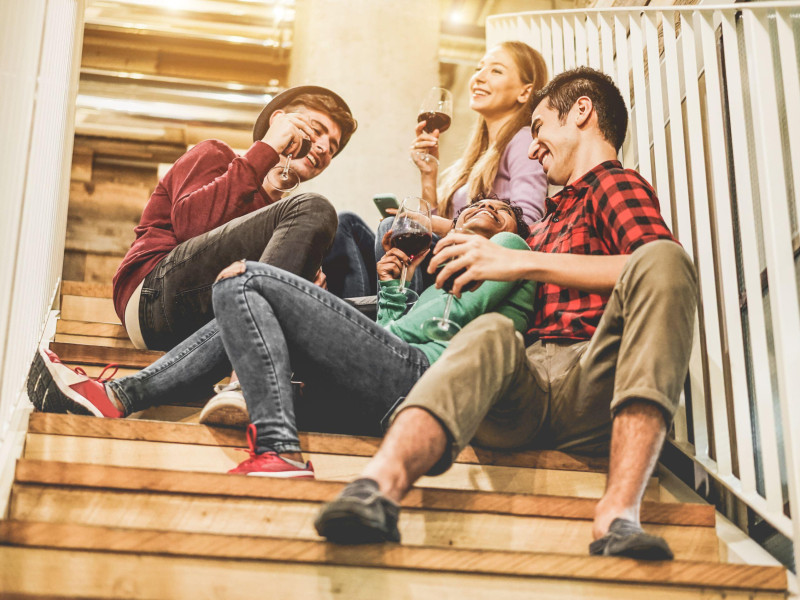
[{"x": 555, "y": 219}]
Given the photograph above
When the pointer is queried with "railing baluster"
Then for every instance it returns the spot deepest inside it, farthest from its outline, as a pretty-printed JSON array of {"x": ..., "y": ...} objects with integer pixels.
[
  {"x": 742, "y": 161},
  {"x": 568, "y": 35},
  {"x": 662, "y": 178},
  {"x": 607, "y": 38},
  {"x": 641, "y": 114},
  {"x": 784, "y": 306},
  {"x": 547, "y": 46},
  {"x": 593, "y": 41},
  {"x": 536, "y": 37},
  {"x": 621, "y": 76},
  {"x": 728, "y": 287},
  {"x": 580, "y": 40},
  {"x": 558, "y": 45},
  {"x": 704, "y": 251},
  {"x": 790, "y": 77}
]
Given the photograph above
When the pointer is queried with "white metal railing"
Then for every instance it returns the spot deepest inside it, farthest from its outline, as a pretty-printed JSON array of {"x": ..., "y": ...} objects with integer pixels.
[
  {"x": 40, "y": 43},
  {"x": 713, "y": 94}
]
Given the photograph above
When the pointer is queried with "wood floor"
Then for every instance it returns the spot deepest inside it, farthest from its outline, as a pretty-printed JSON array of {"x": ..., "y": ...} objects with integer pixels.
[{"x": 144, "y": 508}]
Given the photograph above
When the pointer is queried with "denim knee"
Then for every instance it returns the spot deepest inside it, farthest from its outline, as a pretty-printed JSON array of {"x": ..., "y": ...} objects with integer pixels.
[
  {"x": 348, "y": 221},
  {"x": 316, "y": 209}
]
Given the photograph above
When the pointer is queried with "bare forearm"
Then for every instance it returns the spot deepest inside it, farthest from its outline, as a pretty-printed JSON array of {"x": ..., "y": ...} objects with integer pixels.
[
  {"x": 429, "y": 190},
  {"x": 588, "y": 273}
]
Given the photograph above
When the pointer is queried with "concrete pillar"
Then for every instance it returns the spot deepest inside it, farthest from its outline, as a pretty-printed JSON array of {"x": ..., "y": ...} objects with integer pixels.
[{"x": 381, "y": 56}]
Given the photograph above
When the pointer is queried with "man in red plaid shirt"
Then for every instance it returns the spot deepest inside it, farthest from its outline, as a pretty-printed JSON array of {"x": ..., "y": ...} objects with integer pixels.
[{"x": 607, "y": 351}]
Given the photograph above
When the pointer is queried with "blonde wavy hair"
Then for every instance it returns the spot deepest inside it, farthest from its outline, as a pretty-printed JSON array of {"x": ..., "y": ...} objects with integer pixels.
[{"x": 478, "y": 165}]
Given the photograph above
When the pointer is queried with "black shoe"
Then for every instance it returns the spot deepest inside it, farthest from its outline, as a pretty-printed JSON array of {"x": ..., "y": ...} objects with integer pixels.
[
  {"x": 625, "y": 538},
  {"x": 359, "y": 515}
]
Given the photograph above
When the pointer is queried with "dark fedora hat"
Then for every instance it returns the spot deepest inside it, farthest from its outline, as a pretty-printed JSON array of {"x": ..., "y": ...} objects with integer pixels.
[{"x": 286, "y": 97}]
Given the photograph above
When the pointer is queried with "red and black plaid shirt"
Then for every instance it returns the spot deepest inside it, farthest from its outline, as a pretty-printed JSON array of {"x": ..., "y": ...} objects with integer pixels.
[{"x": 608, "y": 211}]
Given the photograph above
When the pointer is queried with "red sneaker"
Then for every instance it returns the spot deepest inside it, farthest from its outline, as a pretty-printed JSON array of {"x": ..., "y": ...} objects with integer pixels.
[
  {"x": 270, "y": 464},
  {"x": 54, "y": 387}
]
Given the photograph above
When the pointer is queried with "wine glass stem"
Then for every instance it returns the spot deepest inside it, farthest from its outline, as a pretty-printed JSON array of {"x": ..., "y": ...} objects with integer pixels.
[
  {"x": 448, "y": 304},
  {"x": 285, "y": 172},
  {"x": 403, "y": 279}
]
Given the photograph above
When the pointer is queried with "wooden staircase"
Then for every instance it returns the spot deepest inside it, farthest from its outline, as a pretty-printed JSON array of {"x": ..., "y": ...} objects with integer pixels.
[{"x": 143, "y": 508}]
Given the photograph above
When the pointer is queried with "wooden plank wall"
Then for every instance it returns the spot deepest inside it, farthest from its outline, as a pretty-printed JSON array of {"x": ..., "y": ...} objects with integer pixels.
[{"x": 110, "y": 184}]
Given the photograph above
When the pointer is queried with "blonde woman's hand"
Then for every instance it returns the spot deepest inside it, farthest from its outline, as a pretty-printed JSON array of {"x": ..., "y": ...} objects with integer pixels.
[{"x": 426, "y": 143}]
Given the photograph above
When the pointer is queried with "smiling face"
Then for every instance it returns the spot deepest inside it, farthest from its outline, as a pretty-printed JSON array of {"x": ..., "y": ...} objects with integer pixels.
[
  {"x": 554, "y": 143},
  {"x": 324, "y": 144},
  {"x": 496, "y": 88},
  {"x": 488, "y": 217}
]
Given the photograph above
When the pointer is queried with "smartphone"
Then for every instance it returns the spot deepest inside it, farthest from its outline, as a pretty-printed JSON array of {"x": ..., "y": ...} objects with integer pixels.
[{"x": 384, "y": 201}]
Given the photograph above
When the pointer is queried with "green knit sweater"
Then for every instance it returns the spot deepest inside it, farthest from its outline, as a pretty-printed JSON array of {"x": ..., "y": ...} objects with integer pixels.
[{"x": 514, "y": 299}]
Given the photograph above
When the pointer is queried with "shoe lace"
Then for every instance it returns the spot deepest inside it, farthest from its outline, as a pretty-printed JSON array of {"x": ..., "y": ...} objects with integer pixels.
[{"x": 100, "y": 378}]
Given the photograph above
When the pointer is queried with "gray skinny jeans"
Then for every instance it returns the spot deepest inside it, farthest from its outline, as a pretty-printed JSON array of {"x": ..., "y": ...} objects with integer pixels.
[{"x": 269, "y": 324}]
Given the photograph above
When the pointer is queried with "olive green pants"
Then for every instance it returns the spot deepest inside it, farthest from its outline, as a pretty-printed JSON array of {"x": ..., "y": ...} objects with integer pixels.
[{"x": 488, "y": 387}]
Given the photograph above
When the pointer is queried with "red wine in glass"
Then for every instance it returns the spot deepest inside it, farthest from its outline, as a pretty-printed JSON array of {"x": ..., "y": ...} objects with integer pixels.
[
  {"x": 410, "y": 242},
  {"x": 434, "y": 121}
]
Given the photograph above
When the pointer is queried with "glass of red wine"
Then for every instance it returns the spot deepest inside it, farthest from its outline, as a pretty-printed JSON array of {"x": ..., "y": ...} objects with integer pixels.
[
  {"x": 411, "y": 233},
  {"x": 286, "y": 179},
  {"x": 437, "y": 112},
  {"x": 444, "y": 328}
]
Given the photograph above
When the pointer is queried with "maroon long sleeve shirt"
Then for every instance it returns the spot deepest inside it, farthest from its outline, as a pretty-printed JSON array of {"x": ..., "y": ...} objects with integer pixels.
[{"x": 207, "y": 187}]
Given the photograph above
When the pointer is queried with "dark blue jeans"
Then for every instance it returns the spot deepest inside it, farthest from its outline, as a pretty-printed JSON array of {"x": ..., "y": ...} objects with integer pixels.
[
  {"x": 350, "y": 263},
  {"x": 293, "y": 234},
  {"x": 269, "y": 324}
]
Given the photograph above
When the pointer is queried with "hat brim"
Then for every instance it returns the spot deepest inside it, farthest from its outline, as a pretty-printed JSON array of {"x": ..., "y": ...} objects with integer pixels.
[{"x": 285, "y": 98}]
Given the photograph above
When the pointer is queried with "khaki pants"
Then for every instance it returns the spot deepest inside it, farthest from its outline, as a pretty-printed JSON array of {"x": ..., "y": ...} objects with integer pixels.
[{"x": 563, "y": 395}]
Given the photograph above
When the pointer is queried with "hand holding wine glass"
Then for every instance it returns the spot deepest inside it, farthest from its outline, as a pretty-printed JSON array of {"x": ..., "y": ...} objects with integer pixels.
[
  {"x": 435, "y": 114},
  {"x": 443, "y": 328},
  {"x": 411, "y": 233},
  {"x": 290, "y": 135}
]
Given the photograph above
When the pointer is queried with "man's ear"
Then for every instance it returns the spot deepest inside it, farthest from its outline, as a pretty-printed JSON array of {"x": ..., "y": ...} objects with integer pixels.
[
  {"x": 274, "y": 114},
  {"x": 583, "y": 110}
]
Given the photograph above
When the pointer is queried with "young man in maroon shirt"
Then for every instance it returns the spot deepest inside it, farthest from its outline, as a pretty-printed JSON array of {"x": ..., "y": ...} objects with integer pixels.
[
  {"x": 214, "y": 207},
  {"x": 606, "y": 356}
]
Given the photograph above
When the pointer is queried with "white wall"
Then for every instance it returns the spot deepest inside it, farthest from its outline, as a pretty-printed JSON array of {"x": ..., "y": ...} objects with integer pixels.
[
  {"x": 381, "y": 56},
  {"x": 40, "y": 42}
]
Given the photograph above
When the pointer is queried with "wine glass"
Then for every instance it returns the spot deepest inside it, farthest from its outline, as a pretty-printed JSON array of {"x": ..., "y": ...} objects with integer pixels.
[
  {"x": 286, "y": 177},
  {"x": 443, "y": 328},
  {"x": 411, "y": 233},
  {"x": 437, "y": 112}
]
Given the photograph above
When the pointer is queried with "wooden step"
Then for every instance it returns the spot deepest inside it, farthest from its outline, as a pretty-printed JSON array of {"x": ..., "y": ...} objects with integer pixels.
[
  {"x": 168, "y": 500},
  {"x": 97, "y": 561},
  {"x": 216, "y": 459},
  {"x": 86, "y": 289},
  {"x": 200, "y": 435},
  {"x": 85, "y": 308},
  {"x": 103, "y": 355},
  {"x": 88, "y": 328},
  {"x": 132, "y": 443}
]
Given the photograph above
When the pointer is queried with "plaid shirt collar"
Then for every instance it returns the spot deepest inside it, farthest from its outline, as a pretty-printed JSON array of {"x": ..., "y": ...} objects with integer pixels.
[{"x": 578, "y": 188}]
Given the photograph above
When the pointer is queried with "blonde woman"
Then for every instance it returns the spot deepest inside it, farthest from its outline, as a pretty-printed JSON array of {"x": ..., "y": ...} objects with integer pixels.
[
  {"x": 495, "y": 160},
  {"x": 494, "y": 163}
]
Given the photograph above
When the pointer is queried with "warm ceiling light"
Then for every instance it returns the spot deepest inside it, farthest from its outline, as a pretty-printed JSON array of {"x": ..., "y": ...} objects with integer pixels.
[{"x": 456, "y": 17}]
